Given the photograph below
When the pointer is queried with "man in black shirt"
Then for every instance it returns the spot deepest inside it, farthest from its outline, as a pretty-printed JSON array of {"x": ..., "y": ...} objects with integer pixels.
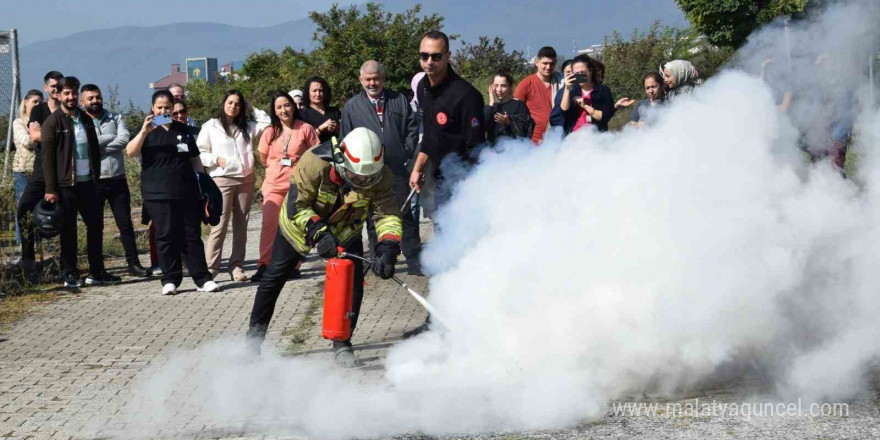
[
  {"x": 452, "y": 111},
  {"x": 36, "y": 185}
]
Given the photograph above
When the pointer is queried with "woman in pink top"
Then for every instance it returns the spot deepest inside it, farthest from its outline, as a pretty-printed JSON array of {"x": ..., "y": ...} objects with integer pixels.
[{"x": 281, "y": 146}]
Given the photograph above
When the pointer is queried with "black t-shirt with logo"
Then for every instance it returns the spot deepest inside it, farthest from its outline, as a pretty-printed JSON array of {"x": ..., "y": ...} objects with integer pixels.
[
  {"x": 167, "y": 168},
  {"x": 452, "y": 117}
]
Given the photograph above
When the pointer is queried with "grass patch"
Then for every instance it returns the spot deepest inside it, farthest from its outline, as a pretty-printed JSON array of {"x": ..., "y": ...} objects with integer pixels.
[{"x": 13, "y": 308}]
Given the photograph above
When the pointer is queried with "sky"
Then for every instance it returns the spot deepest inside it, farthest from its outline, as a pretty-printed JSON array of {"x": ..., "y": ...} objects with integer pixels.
[{"x": 34, "y": 24}]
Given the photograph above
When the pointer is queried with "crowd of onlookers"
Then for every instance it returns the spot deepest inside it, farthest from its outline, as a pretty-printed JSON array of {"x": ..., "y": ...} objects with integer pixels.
[{"x": 70, "y": 151}]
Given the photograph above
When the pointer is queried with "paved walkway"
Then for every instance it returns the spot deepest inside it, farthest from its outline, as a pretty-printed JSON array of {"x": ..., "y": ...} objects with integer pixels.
[{"x": 69, "y": 369}]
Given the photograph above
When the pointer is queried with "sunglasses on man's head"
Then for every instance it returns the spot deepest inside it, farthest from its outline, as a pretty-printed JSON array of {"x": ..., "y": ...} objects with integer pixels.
[{"x": 434, "y": 56}]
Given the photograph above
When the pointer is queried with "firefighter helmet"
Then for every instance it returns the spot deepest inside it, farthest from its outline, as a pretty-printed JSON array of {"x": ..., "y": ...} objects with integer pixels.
[{"x": 362, "y": 158}]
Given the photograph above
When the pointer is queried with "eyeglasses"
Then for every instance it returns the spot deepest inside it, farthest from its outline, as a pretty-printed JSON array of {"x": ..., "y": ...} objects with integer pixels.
[
  {"x": 181, "y": 112},
  {"x": 434, "y": 56}
]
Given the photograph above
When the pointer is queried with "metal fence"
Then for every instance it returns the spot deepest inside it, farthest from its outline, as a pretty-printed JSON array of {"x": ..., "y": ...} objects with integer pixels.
[{"x": 10, "y": 92}]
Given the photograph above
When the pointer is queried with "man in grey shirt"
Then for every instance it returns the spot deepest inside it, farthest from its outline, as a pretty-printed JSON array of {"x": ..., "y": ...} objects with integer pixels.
[
  {"x": 112, "y": 185},
  {"x": 389, "y": 115}
]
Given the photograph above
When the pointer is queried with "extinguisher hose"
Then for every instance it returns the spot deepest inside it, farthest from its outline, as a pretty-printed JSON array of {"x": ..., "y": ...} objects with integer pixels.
[{"x": 419, "y": 298}]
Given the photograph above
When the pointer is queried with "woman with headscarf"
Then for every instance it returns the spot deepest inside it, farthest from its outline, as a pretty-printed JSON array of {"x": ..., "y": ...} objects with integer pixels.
[{"x": 680, "y": 77}]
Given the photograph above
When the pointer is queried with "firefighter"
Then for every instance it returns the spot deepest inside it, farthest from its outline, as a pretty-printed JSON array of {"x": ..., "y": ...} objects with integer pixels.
[{"x": 334, "y": 186}]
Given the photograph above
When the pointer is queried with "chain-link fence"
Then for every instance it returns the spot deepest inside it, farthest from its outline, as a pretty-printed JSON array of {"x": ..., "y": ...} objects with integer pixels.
[
  {"x": 9, "y": 99},
  {"x": 10, "y": 86}
]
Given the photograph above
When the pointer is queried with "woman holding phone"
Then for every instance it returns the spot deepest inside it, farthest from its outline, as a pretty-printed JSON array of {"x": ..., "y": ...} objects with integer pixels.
[
  {"x": 584, "y": 101},
  {"x": 281, "y": 146},
  {"x": 228, "y": 154},
  {"x": 317, "y": 112},
  {"x": 170, "y": 190}
]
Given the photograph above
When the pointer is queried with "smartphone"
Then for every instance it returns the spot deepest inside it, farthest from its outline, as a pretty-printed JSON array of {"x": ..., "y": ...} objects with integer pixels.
[
  {"x": 161, "y": 120},
  {"x": 580, "y": 78}
]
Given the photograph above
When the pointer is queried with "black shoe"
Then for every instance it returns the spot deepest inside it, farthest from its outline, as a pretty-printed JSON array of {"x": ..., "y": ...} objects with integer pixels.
[
  {"x": 295, "y": 274},
  {"x": 255, "y": 278},
  {"x": 136, "y": 270},
  {"x": 344, "y": 356},
  {"x": 71, "y": 280},
  {"x": 104, "y": 278},
  {"x": 413, "y": 267}
]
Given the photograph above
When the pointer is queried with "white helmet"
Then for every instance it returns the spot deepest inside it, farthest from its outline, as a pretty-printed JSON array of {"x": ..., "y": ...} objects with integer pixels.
[{"x": 362, "y": 158}]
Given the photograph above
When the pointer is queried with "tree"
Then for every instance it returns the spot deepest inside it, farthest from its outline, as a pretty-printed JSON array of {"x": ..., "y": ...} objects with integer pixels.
[
  {"x": 729, "y": 22},
  {"x": 477, "y": 62},
  {"x": 627, "y": 61},
  {"x": 347, "y": 37}
]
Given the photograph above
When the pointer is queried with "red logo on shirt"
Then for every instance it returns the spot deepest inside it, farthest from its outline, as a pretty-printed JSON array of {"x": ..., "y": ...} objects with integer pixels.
[{"x": 441, "y": 118}]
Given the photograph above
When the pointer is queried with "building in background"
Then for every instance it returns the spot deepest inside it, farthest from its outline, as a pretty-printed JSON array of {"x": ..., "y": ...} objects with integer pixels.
[
  {"x": 202, "y": 69},
  {"x": 594, "y": 51},
  {"x": 176, "y": 76}
]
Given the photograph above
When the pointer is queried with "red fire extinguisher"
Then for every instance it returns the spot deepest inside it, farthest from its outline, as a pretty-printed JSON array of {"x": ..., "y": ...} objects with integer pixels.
[{"x": 338, "y": 287}]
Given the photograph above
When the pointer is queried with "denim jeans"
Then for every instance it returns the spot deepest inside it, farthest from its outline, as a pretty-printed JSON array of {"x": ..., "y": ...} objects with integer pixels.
[{"x": 19, "y": 181}]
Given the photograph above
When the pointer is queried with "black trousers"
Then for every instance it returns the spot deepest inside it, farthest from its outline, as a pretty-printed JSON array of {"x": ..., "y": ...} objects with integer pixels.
[
  {"x": 284, "y": 259},
  {"x": 411, "y": 242},
  {"x": 34, "y": 191},
  {"x": 115, "y": 190},
  {"x": 81, "y": 199},
  {"x": 178, "y": 230}
]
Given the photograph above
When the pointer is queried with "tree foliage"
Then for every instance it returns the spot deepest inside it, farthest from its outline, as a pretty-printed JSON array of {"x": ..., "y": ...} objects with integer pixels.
[
  {"x": 729, "y": 22},
  {"x": 346, "y": 37},
  {"x": 482, "y": 59},
  {"x": 627, "y": 61}
]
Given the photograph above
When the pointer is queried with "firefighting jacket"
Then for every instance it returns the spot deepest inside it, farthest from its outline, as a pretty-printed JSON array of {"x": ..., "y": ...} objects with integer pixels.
[{"x": 318, "y": 193}]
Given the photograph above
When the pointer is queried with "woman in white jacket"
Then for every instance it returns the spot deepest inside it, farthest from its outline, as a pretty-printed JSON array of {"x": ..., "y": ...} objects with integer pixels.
[{"x": 227, "y": 153}]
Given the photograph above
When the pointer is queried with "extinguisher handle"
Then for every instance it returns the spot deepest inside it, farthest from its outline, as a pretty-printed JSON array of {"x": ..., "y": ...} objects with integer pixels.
[{"x": 340, "y": 250}]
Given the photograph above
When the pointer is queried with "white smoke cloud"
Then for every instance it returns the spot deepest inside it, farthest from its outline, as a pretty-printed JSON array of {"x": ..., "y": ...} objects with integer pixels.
[{"x": 599, "y": 265}]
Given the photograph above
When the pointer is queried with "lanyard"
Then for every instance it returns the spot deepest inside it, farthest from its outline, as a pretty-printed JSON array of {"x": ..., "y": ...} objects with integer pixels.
[{"x": 286, "y": 144}]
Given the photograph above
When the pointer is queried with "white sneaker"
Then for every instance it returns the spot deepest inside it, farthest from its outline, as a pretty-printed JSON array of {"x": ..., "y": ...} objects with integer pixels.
[
  {"x": 209, "y": 286},
  {"x": 169, "y": 289}
]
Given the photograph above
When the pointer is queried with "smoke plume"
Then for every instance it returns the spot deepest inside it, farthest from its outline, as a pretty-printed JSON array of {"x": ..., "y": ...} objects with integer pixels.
[{"x": 600, "y": 265}]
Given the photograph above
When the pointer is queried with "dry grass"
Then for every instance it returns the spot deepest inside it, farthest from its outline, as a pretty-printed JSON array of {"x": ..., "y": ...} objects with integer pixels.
[{"x": 14, "y": 308}]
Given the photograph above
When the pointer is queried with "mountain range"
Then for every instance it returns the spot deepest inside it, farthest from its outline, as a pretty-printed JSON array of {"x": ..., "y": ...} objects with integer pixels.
[{"x": 134, "y": 56}]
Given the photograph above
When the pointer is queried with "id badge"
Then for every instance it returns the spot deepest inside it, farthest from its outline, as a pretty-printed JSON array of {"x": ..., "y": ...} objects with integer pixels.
[
  {"x": 286, "y": 162},
  {"x": 182, "y": 146}
]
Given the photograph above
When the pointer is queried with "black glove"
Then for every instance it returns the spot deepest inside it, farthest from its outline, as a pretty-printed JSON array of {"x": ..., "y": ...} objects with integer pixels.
[
  {"x": 315, "y": 229},
  {"x": 318, "y": 235},
  {"x": 326, "y": 246},
  {"x": 386, "y": 256}
]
